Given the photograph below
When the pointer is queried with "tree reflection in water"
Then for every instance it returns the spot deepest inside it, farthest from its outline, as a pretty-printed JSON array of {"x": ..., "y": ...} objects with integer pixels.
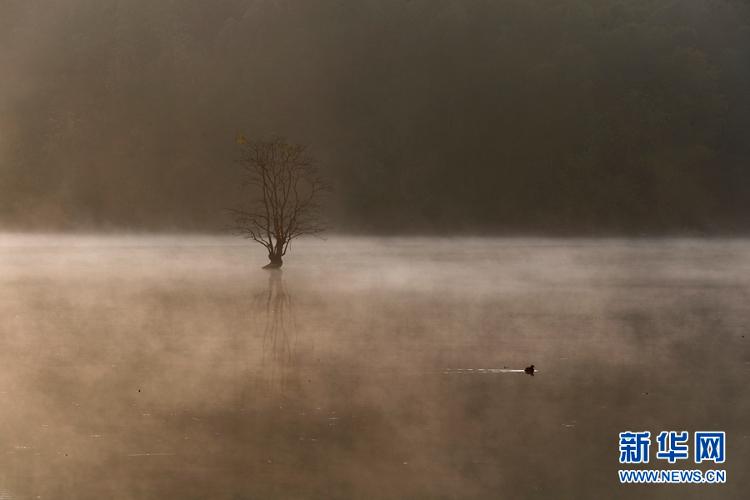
[{"x": 279, "y": 334}]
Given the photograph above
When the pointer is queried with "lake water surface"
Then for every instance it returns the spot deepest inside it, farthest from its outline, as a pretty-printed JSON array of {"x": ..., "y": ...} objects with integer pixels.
[{"x": 174, "y": 367}]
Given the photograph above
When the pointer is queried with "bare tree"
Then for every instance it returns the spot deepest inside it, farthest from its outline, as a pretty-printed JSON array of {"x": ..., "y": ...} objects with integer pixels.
[{"x": 284, "y": 190}]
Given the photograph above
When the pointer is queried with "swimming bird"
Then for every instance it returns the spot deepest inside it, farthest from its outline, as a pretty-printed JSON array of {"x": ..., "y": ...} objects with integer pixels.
[{"x": 529, "y": 370}]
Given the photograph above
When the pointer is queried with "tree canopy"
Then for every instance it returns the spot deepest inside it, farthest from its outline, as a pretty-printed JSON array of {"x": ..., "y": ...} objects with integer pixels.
[{"x": 284, "y": 192}]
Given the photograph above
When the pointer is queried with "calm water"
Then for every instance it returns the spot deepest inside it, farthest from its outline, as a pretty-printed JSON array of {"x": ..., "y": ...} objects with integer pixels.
[{"x": 167, "y": 367}]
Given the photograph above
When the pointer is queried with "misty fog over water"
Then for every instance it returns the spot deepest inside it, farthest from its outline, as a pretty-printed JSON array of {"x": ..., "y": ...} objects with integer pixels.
[
  {"x": 596, "y": 153},
  {"x": 148, "y": 367}
]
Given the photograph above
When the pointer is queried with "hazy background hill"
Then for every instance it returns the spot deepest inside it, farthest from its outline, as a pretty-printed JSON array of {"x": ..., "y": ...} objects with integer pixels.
[{"x": 545, "y": 116}]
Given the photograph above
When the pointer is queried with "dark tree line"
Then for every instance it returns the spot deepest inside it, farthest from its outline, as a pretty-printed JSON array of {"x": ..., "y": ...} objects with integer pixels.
[{"x": 553, "y": 116}]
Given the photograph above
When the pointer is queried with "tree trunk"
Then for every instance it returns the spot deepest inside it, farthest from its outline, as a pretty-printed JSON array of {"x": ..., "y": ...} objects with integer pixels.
[
  {"x": 275, "y": 261},
  {"x": 275, "y": 256}
]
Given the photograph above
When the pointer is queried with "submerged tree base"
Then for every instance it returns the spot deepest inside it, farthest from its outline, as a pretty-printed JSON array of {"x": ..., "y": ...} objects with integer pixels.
[{"x": 275, "y": 263}]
